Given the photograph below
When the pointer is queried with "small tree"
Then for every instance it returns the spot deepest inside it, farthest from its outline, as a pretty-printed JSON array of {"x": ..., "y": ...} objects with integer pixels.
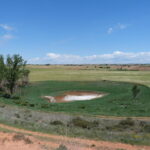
[
  {"x": 15, "y": 69},
  {"x": 135, "y": 91}
]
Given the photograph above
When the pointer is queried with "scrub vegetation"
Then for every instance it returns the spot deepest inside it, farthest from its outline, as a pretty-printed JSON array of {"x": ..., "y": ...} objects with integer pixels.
[{"x": 125, "y": 96}]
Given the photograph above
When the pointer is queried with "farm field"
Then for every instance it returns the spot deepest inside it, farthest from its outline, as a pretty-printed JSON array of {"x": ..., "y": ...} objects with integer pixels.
[{"x": 82, "y": 73}]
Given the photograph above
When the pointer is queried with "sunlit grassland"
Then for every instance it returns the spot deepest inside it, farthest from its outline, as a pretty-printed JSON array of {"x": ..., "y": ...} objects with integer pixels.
[
  {"x": 64, "y": 73},
  {"x": 53, "y": 81}
]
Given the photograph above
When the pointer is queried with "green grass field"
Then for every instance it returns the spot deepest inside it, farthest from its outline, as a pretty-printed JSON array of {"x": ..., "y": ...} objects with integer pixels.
[
  {"x": 118, "y": 102},
  {"x": 67, "y": 74}
]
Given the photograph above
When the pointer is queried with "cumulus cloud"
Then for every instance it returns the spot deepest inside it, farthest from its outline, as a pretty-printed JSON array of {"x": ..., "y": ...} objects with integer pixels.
[
  {"x": 117, "y": 57},
  {"x": 6, "y": 27},
  {"x": 53, "y": 55},
  {"x": 119, "y": 26}
]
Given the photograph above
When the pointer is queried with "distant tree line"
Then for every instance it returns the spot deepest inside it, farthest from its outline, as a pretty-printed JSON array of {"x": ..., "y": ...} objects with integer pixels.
[{"x": 13, "y": 74}]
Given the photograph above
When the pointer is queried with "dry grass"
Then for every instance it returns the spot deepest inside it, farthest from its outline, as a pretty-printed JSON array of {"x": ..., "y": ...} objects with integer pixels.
[
  {"x": 82, "y": 73},
  {"x": 21, "y": 137}
]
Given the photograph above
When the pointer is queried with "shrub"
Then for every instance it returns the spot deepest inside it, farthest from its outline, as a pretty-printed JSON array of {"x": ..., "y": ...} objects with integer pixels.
[
  {"x": 82, "y": 107},
  {"x": 6, "y": 95},
  {"x": 17, "y": 102},
  {"x": 17, "y": 115},
  {"x": 93, "y": 145},
  {"x": 79, "y": 122},
  {"x": 24, "y": 103},
  {"x": 62, "y": 147},
  {"x": 127, "y": 123},
  {"x": 44, "y": 105},
  {"x": 21, "y": 137},
  {"x": 27, "y": 141},
  {"x": 135, "y": 91},
  {"x": 122, "y": 125},
  {"x": 145, "y": 127},
  {"x": 57, "y": 122},
  {"x": 31, "y": 105}
]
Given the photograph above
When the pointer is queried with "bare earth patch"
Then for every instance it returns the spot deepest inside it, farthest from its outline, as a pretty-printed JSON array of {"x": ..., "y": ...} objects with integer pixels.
[
  {"x": 40, "y": 141},
  {"x": 73, "y": 96}
]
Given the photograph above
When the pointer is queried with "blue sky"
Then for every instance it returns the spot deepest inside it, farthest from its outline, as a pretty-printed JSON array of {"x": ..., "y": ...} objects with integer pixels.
[{"x": 76, "y": 31}]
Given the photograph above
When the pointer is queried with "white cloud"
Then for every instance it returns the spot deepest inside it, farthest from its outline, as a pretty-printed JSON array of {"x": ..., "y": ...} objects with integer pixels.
[
  {"x": 119, "y": 26},
  {"x": 122, "y": 26},
  {"x": 6, "y": 27},
  {"x": 116, "y": 57},
  {"x": 110, "y": 30},
  {"x": 7, "y": 37},
  {"x": 53, "y": 55}
]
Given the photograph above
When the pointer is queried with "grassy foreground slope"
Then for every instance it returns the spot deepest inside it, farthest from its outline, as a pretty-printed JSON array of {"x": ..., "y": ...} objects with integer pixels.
[
  {"x": 65, "y": 73},
  {"x": 118, "y": 102}
]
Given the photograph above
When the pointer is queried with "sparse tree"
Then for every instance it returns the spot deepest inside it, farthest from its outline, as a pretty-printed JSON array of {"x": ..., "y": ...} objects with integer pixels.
[
  {"x": 15, "y": 71},
  {"x": 135, "y": 91}
]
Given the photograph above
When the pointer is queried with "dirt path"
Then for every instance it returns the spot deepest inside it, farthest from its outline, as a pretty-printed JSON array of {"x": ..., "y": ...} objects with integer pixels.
[{"x": 42, "y": 141}]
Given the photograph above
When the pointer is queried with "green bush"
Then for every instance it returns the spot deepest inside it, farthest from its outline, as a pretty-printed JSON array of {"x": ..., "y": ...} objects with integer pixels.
[
  {"x": 122, "y": 125},
  {"x": 57, "y": 122},
  {"x": 24, "y": 103},
  {"x": 135, "y": 91},
  {"x": 146, "y": 128},
  {"x": 44, "y": 106},
  {"x": 79, "y": 122},
  {"x": 17, "y": 115},
  {"x": 6, "y": 95},
  {"x": 127, "y": 123},
  {"x": 31, "y": 105}
]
